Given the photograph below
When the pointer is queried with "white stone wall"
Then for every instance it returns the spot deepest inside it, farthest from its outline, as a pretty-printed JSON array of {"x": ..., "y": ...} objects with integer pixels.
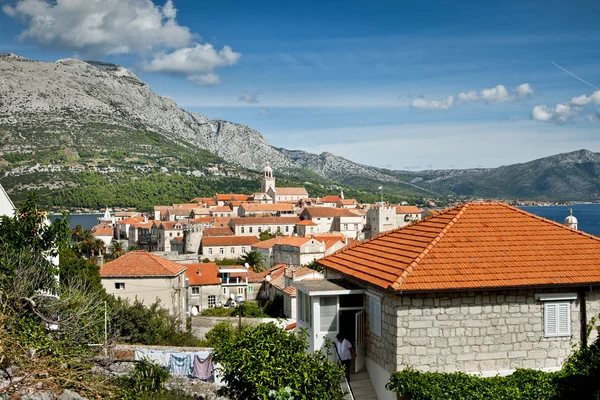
[{"x": 488, "y": 332}]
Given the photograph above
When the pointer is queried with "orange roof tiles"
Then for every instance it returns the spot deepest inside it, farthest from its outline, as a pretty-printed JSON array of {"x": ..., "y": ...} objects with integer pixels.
[
  {"x": 228, "y": 197},
  {"x": 299, "y": 191},
  {"x": 141, "y": 263},
  {"x": 220, "y": 209},
  {"x": 203, "y": 274},
  {"x": 290, "y": 290},
  {"x": 186, "y": 205},
  {"x": 102, "y": 230},
  {"x": 170, "y": 225},
  {"x": 408, "y": 210},
  {"x": 265, "y": 220},
  {"x": 131, "y": 220},
  {"x": 330, "y": 199},
  {"x": 293, "y": 241},
  {"x": 229, "y": 240},
  {"x": 267, "y": 207},
  {"x": 205, "y": 220},
  {"x": 217, "y": 232},
  {"x": 473, "y": 246},
  {"x": 306, "y": 222},
  {"x": 267, "y": 244}
]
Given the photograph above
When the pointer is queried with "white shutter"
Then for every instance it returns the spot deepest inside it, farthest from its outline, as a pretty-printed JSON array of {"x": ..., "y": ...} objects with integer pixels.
[
  {"x": 375, "y": 315},
  {"x": 564, "y": 320},
  {"x": 550, "y": 317}
]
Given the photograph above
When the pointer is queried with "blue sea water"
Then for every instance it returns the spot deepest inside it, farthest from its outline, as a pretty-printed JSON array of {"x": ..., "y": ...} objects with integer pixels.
[
  {"x": 588, "y": 215},
  {"x": 87, "y": 221}
]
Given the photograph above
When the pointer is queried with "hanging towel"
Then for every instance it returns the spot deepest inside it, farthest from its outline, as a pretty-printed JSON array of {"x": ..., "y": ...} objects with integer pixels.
[
  {"x": 160, "y": 358},
  {"x": 202, "y": 367},
  {"x": 181, "y": 364},
  {"x": 140, "y": 354}
]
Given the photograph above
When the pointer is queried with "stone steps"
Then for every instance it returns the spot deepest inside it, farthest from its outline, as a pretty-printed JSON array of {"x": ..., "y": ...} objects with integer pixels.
[{"x": 362, "y": 388}]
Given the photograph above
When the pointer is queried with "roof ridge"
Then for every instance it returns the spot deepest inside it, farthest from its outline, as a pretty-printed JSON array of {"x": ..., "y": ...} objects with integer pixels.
[
  {"x": 415, "y": 263},
  {"x": 549, "y": 221}
]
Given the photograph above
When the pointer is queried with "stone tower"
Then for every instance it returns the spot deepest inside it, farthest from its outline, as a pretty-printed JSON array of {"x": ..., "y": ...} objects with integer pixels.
[
  {"x": 571, "y": 221},
  {"x": 379, "y": 220},
  {"x": 268, "y": 180}
]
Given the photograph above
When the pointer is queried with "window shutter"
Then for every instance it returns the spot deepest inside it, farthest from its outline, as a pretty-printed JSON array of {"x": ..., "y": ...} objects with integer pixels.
[
  {"x": 550, "y": 317},
  {"x": 375, "y": 315},
  {"x": 564, "y": 323}
]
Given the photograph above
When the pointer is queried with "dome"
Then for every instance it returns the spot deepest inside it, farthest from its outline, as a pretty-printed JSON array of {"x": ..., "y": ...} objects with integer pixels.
[{"x": 571, "y": 221}]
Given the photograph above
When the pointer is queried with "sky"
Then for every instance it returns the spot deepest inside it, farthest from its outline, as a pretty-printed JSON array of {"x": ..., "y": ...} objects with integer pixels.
[{"x": 401, "y": 85}]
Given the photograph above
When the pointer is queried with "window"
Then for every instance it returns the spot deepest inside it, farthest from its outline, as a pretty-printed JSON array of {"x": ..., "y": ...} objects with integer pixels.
[
  {"x": 225, "y": 291},
  {"x": 304, "y": 308},
  {"x": 119, "y": 285},
  {"x": 240, "y": 290},
  {"x": 195, "y": 291},
  {"x": 355, "y": 227},
  {"x": 233, "y": 250},
  {"x": 328, "y": 314},
  {"x": 221, "y": 250},
  {"x": 210, "y": 250},
  {"x": 170, "y": 234},
  {"x": 259, "y": 229},
  {"x": 250, "y": 289},
  {"x": 250, "y": 230},
  {"x": 242, "y": 229},
  {"x": 212, "y": 301},
  {"x": 375, "y": 315},
  {"x": 244, "y": 250},
  {"x": 557, "y": 318},
  {"x": 345, "y": 227},
  {"x": 287, "y": 228}
]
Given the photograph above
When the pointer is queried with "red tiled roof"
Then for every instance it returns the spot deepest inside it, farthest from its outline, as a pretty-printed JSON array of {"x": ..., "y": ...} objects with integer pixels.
[
  {"x": 291, "y": 326},
  {"x": 267, "y": 244},
  {"x": 320, "y": 212},
  {"x": 102, "y": 230},
  {"x": 170, "y": 225},
  {"x": 474, "y": 246},
  {"x": 229, "y": 240},
  {"x": 291, "y": 191},
  {"x": 235, "y": 197},
  {"x": 290, "y": 290},
  {"x": 408, "y": 210},
  {"x": 217, "y": 232},
  {"x": 293, "y": 241},
  {"x": 186, "y": 205},
  {"x": 330, "y": 199},
  {"x": 205, "y": 220},
  {"x": 131, "y": 220},
  {"x": 141, "y": 263},
  {"x": 306, "y": 222},
  {"x": 267, "y": 207},
  {"x": 347, "y": 201},
  {"x": 209, "y": 274},
  {"x": 265, "y": 220},
  {"x": 221, "y": 222}
]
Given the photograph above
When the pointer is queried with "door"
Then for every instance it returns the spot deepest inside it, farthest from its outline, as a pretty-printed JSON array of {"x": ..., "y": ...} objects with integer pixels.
[{"x": 359, "y": 344}]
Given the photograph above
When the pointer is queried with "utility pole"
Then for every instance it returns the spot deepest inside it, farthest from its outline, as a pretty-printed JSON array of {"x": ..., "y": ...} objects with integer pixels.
[{"x": 105, "y": 330}]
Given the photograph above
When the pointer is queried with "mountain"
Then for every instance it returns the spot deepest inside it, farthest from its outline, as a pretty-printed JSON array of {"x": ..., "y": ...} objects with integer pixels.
[{"x": 71, "y": 125}]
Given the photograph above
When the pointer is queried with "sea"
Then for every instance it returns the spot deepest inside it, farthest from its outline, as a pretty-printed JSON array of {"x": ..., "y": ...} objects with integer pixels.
[{"x": 87, "y": 221}]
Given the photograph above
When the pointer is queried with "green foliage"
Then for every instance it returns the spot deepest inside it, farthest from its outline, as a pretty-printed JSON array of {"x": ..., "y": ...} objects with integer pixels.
[
  {"x": 314, "y": 265},
  {"x": 255, "y": 259},
  {"x": 266, "y": 235},
  {"x": 227, "y": 261},
  {"x": 521, "y": 385},
  {"x": 74, "y": 269},
  {"x": 265, "y": 358},
  {"x": 152, "y": 325},
  {"x": 221, "y": 333},
  {"x": 144, "y": 378},
  {"x": 217, "y": 312}
]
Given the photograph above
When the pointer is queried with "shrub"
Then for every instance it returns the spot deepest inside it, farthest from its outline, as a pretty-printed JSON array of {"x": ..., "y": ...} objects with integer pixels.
[{"x": 144, "y": 378}]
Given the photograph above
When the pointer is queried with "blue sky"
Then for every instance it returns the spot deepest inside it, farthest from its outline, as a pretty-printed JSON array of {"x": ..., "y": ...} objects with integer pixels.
[{"x": 404, "y": 85}]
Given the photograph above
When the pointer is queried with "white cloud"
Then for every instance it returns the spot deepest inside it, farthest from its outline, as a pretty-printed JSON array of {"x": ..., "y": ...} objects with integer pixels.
[
  {"x": 248, "y": 98},
  {"x": 496, "y": 94},
  {"x": 101, "y": 27},
  {"x": 524, "y": 90},
  {"x": 421, "y": 102},
  {"x": 205, "y": 79},
  {"x": 198, "y": 63},
  {"x": 97, "y": 28},
  {"x": 560, "y": 114},
  {"x": 582, "y": 100}
]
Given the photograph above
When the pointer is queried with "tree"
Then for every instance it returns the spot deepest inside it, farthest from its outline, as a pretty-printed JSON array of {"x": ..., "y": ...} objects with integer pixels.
[
  {"x": 116, "y": 249},
  {"x": 265, "y": 357},
  {"x": 266, "y": 235},
  {"x": 255, "y": 259}
]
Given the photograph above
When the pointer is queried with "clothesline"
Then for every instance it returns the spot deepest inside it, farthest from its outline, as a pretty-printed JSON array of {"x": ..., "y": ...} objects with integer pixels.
[{"x": 196, "y": 365}]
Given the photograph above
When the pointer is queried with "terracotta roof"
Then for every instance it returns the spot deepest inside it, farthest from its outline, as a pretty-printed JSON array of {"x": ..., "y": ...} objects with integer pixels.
[
  {"x": 267, "y": 207},
  {"x": 217, "y": 232},
  {"x": 205, "y": 220},
  {"x": 408, "y": 210},
  {"x": 275, "y": 269},
  {"x": 299, "y": 191},
  {"x": 320, "y": 212},
  {"x": 330, "y": 199},
  {"x": 186, "y": 205},
  {"x": 179, "y": 211},
  {"x": 221, "y": 222},
  {"x": 306, "y": 222},
  {"x": 102, "y": 230},
  {"x": 290, "y": 290},
  {"x": 209, "y": 274},
  {"x": 265, "y": 220},
  {"x": 267, "y": 244},
  {"x": 227, "y": 197},
  {"x": 254, "y": 277},
  {"x": 331, "y": 242},
  {"x": 303, "y": 271},
  {"x": 170, "y": 225},
  {"x": 141, "y": 263},
  {"x": 221, "y": 209},
  {"x": 131, "y": 220},
  {"x": 293, "y": 241},
  {"x": 142, "y": 225},
  {"x": 229, "y": 240},
  {"x": 347, "y": 201},
  {"x": 474, "y": 246},
  {"x": 291, "y": 326}
]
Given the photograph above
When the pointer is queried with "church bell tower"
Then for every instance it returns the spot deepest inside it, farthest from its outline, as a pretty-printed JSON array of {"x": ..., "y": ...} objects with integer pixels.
[{"x": 268, "y": 180}]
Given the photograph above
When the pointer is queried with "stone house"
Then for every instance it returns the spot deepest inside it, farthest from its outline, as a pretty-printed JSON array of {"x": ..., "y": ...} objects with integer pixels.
[
  {"x": 103, "y": 232},
  {"x": 220, "y": 199},
  {"x": 480, "y": 288},
  {"x": 298, "y": 251},
  {"x": 332, "y": 219},
  {"x": 162, "y": 232},
  {"x": 220, "y": 247},
  {"x": 307, "y": 228},
  {"x": 147, "y": 277},
  {"x": 286, "y": 194},
  {"x": 265, "y": 247},
  {"x": 139, "y": 235},
  {"x": 256, "y": 225},
  {"x": 407, "y": 214}
]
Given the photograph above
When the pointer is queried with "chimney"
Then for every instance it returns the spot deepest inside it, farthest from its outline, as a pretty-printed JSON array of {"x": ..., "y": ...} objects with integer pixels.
[
  {"x": 199, "y": 271},
  {"x": 100, "y": 260},
  {"x": 145, "y": 219}
]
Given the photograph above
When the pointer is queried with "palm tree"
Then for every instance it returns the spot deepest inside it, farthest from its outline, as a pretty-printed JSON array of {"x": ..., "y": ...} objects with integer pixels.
[
  {"x": 255, "y": 260},
  {"x": 76, "y": 233},
  {"x": 116, "y": 249}
]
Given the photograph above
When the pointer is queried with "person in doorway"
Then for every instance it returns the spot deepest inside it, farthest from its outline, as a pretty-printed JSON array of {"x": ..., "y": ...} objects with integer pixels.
[{"x": 346, "y": 352}]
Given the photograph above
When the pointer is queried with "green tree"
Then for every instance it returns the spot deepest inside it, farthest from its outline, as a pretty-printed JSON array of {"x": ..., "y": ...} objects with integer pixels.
[
  {"x": 266, "y": 235},
  {"x": 255, "y": 259},
  {"x": 74, "y": 269},
  {"x": 266, "y": 357},
  {"x": 116, "y": 250}
]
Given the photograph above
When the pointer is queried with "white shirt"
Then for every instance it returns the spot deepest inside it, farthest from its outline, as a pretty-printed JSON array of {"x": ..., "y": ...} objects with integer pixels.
[{"x": 343, "y": 349}]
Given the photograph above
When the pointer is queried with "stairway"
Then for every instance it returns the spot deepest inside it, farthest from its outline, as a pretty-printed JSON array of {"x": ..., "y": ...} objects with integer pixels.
[{"x": 361, "y": 385}]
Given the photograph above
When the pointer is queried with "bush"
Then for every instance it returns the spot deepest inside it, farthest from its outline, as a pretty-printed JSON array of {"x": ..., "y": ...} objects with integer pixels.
[
  {"x": 143, "y": 379},
  {"x": 217, "y": 312},
  {"x": 266, "y": 358},
  {"x": 274, "y": 308}
]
